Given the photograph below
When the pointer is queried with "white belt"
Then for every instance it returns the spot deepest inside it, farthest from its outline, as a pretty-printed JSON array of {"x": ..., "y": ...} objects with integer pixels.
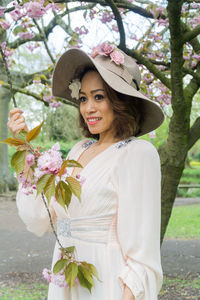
[{"x": 88, "y": 228}]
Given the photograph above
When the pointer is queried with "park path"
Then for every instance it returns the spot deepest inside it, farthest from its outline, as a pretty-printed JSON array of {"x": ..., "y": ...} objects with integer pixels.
[{"x": 22, "y": 251}]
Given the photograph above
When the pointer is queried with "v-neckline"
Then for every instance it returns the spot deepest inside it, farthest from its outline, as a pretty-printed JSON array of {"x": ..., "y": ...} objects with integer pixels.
[{"x": 96, "y": 156}]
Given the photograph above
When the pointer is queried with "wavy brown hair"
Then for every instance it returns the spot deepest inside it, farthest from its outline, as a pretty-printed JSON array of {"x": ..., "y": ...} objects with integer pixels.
[{"x": 127, "y": 113}]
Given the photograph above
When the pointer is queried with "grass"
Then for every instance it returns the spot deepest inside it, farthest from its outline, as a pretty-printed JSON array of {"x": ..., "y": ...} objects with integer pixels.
[
  {"x": 176, "y": 287},
  {"x": 179, "y": 288},
  {"x": 25, "y": 292},
  {"x": 184, "y": 222}
]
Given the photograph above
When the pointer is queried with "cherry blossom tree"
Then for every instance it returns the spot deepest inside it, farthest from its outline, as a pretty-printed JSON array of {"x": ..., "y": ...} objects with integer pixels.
[{"x": 163, "y": 36}]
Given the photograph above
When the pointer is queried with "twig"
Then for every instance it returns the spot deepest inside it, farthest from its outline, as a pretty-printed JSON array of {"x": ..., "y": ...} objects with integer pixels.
[
  {"x": 9, "y": 77},
  {"x": 51, "y": 222}
]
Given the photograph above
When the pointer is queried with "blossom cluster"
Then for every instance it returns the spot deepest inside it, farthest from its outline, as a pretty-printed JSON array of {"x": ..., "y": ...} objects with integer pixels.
[
  {"x": 110, "y": 50},
  {"x": 51, "y": 100},
  {"x": 57, "y": 279}
]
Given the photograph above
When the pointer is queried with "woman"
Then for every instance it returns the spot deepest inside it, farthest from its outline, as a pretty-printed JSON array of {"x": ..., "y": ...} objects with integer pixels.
[{"x": 117, "y": 224}]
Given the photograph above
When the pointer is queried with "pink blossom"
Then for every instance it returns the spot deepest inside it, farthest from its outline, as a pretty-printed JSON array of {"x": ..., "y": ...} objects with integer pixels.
[
  {"x": 48, "y": 98},
  {"x": 163, "y": 22},
  {"x": 193, "y": 64},
  {"x": 16, "y": 14},
  {"x": 30, "y": 158},
  {"x": 56, "y": 104},
  {"x": 50, "y": 161},
  {"x": 194, "y": 5},
  {"x": 5, "y": 24},
  {"x": 81, "y": 30},
  {"x": 95, "y": 51},
  {"x": 36, "y": 81},
  {"x": 134, "y": 37},
  {"x": 47, "y": 274},
  {"x": 152, "y": 134},
  {"x": 2, "y": 9},
  {"x": 81, "y": 179},
  {"x": 26, "y": 35},
  {"x": 59, "y": 279},
  {"x": 107, "y": 17},
  {"x": 32, "y": 47},
  {"x": 3, "y": 45},
  {"x": 92, "y": 13},
  {"x": 56, "y": 147},
  {"x": 35, "y": 9},
  {"x": 196, "y": 56},
  {"x": 117, "y": 56},
  {"x": 106, "y": 48},
  {"x": 186, "y": 58}
]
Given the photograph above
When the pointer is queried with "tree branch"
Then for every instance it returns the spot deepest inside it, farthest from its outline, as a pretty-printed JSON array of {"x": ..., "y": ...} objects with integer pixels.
[
  {"x": 194, "y": 42},
  {"x": 120, "y": 4},
  {"x": 120, "y": 25},
  {"x": 191, "y": 34},
  {"x": 42, "y": 33},
  {"x": 194, "y": 134},
  {"x": 49, "y": 28},
  {"x": 195, "y": 75},
  {"x": 36, "y": 96},
  {"x": 150, "y": 66}
]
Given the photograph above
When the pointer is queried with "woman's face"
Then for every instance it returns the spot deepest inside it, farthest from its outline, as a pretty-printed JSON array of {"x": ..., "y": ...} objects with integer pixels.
[{"x": 95, "y": 107}]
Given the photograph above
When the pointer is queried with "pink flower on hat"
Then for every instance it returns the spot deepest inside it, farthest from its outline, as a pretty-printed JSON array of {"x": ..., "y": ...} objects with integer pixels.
[
  {"x": 117, "y": 57},
  {"x": 108, "y": 49}
]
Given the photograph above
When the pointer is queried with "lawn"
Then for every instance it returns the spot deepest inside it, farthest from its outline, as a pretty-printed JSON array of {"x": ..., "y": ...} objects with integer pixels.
[
  {"x": 184, "y": 222},
  {"x": 25, "y": 292},
  {"x": 173, "y": 288}
]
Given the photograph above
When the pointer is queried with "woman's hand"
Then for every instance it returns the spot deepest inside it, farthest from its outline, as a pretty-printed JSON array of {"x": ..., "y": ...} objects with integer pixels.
[
  {"x": 16, "y": 122},
  {"x": 127, "y": 295}
]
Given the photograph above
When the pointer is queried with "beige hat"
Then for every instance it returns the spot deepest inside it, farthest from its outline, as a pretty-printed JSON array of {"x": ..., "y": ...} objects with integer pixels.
[{"x": 118, "y": 70}]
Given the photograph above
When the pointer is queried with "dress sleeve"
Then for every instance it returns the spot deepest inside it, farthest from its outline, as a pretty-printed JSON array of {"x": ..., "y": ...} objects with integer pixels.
[
  {"x": 32, "y": 210},
  {"x": 33, "y": 213},
  {"x": 139, "y": 216}
]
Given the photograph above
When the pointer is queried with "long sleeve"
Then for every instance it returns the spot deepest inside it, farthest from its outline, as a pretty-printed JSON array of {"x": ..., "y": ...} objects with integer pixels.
[
  {"x": 139, "y": 216},
  {"x": 33, "y": 212}
]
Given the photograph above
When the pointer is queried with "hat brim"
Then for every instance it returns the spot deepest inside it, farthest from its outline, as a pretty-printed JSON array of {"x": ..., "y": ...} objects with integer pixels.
[{"x": 72, "y": 63}]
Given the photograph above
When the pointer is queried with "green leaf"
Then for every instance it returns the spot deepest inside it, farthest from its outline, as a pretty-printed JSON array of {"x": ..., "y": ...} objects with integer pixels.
[
  {"x": 60, "y": 195},
  {"x": 71, "y": 272},
  {"x": 19, "y": 29},
  {"x": 83, "y": 281},
  {"x": 22, "y": 134},
  {"x": 75, "y": 186},
  {"x": 73, "y": 163},
  {"x": 18, "y": 161},
  {"x": 93, "y": 270},
  {"x": 32, "y": 134},
  {"x": 68, "y": 163},
  {"x": 87, "y": 273},
  {"x": 42, "y": 181},
  {"x": 49, "y": 189},
  {"x": 67, "y": 194},
  {"x": 13, "y": 142},
  {"x": 60, "y": 264},
  {"x": 69, "y": 249}
]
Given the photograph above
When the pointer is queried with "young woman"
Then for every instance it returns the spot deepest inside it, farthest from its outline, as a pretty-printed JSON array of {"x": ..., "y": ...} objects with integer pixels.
[{"x": 117, "y": 224}]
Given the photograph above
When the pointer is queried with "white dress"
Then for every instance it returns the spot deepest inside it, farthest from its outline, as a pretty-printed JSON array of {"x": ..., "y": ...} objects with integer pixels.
[{"x": 116, "y": 226}]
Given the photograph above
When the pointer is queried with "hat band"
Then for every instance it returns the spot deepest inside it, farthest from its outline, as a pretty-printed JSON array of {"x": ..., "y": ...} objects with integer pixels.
[{"x": 119, "y": 70}]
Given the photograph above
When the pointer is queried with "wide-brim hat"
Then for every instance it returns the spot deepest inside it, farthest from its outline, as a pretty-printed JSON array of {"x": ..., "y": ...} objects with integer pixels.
[{"x": 122, "y": 77}]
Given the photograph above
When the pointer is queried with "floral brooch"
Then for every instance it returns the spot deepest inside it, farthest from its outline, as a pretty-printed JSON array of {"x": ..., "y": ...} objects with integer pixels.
[
  {"x": 108, "y": 49},
  {"x": 75, "y": 87}
]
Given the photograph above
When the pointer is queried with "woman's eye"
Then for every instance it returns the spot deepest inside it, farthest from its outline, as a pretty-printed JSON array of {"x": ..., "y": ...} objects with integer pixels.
[
  {"x": 99, "y": 97},
  {"x": 82, "y": 99}
]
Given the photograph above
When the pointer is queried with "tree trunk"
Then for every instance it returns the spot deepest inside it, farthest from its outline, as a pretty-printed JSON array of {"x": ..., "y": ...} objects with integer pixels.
[{"x": 7, "y": 181}]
